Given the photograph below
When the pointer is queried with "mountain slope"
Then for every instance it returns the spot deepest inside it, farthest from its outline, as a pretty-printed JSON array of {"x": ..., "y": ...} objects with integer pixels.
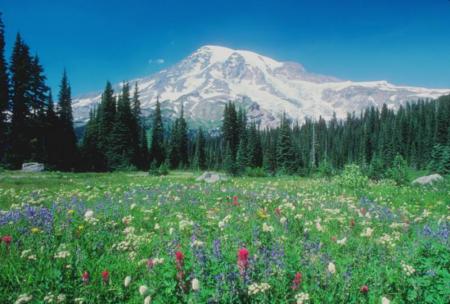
[{"x": 213, "y": 75}]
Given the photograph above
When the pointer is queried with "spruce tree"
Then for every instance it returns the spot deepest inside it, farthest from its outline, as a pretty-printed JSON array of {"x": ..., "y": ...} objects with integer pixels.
[
  {"x": 67, "y": 147},
  {"x": 199, "y": 162},
  {"x": 157, "y": 154},
  {"x": 122, "y": 150},
  {"x": 106, "y": 119},
  {"x": 285, "y": 151},
  {"x": 20, "y": 137},
  {"x": 4, "y": 93}
]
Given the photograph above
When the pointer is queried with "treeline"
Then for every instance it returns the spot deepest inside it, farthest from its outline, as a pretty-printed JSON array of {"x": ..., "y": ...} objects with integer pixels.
[
  {"x": 32, "y": 128},
  {"x": 419, "y": 132}
]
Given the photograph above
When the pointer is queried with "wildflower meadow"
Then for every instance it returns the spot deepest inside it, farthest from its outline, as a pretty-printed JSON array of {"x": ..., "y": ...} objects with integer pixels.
[{"x": 134, "y": 238}]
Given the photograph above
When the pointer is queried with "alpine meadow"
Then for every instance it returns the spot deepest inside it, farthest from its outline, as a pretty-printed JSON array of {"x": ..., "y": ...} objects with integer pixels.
[{"x": 223, "y": 175}]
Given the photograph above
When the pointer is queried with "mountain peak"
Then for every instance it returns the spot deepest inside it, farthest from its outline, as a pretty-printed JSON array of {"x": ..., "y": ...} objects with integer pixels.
[{"x": 213, "y": 75}]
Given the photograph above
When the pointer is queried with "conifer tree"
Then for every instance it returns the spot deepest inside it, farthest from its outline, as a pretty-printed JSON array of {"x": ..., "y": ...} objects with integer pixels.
[
  {"x": 157, "y": 153},
  {"x": 4, "y": 93},
  {"x": 106, "y": 121},
  {"x": 68, "y": 152},
  {"x": 199, "y": 162},
  {"x": 20, "y": 138},
  {"x": 285, "y": 151}
]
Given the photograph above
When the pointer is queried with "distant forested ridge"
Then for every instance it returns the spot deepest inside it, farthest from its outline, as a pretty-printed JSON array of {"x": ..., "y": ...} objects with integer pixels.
[{"x": 116, "y": 137}]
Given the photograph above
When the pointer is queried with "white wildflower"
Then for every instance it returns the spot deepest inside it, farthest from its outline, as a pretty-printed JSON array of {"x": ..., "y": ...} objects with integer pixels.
[
  {"x": 195, "y": 284},
  {"x": 143, "y": 290},
  {"x": 302, "y": 298},
  {"x": 127, "y": 281},
  {"x": 331, "y": 268},
  {"x": 368, "y": 232},
  {"x": 258, "y": 288},
  {"x": 385, "y": 300},
  {"x": 147, "y": 300},
  {"x": 267, "y": 228},
  {"x": 23, "y": 298}
]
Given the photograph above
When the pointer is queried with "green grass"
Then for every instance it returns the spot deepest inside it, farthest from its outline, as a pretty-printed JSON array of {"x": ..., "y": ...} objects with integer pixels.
[{"x": 288, "y": 225}]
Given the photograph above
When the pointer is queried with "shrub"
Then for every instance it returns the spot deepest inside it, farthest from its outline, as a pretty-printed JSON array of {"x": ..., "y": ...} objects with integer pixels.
[
  {"x": 255, "y": 172},
  {"x": 376, "y": 170},
  {"x": 352, "y": 177},
  {"x": 440, "y": 159},
  {"x": 154, "y": 170},
  {"x": 325, "y": 169},
  {"x": 399, "y": 171}
]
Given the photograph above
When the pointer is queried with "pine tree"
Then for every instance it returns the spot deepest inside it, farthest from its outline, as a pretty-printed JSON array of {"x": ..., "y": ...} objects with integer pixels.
[
  {"x": 285, "y": 152},
  {"x": 199, "y": 162},
  {"x": 255, "y": 151},
  {"x": 106, "y": 120},
  {"x": 4, "y": 93},
  {"x": 229, "y": 163},
  {"x": 51, "y": 134},
  {"x": 122, "y": 151},
  {"x": 38, "y": 102},
  {"x": 157, "y": 153},
  {"x": 67, "y": 146},
  {"x": 20, "y": 150}
]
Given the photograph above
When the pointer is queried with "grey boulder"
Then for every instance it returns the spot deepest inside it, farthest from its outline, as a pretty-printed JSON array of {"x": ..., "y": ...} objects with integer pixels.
[
  {"x": 32, "y": 167},
  {"x": 427, "y": 180}
]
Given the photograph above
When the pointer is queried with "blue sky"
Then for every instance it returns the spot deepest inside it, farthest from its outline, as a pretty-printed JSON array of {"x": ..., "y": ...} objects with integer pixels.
[{"x": 404, "y": 42}]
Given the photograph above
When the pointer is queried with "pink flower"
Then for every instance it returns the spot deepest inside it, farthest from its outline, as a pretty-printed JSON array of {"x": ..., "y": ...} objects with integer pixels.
[
  {"x": 105, "y": 276},
  {"x": 364, "y": 289},
  {"x": 296, "y": 281},
  {"x": 150, "y": 263},
  {"x": 85, "y": 277},
  {"x": 278, "y": 211},
  {"x": 242, "y": 260},
  {"x": 7, "y": 239},
  {"x": 235, "y": 201}
]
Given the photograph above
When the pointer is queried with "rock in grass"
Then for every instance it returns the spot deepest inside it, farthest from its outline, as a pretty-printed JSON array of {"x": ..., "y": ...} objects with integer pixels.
[
  {"x": 211, "y": 177},
  {"x": 32, "y": 167},
  {"x": 427, "y": 180}
]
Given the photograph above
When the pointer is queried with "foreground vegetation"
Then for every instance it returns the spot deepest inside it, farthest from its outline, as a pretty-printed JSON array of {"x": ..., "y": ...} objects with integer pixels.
[{"x": 130, "y": 237}]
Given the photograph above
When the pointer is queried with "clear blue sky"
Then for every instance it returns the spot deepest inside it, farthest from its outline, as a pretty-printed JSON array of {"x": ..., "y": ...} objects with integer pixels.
[{"x": 404, "y": 42}]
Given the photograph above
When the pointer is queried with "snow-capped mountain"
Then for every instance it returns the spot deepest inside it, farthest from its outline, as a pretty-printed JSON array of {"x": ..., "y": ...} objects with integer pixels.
[{"x": 213, "y": 75}]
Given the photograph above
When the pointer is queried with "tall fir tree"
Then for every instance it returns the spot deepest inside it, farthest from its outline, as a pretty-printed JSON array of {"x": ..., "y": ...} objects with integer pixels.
[
  {"x": 199, "y": 162},
  {"x": 106, "y": 120},
  {"x": 68, "y": 151},
  {"x": 157, "y": 151},
  {"x": 123, "y": 133},
  {"x": 4, "y": 93},
  {"x": 20, "y": 146},
  {"x": 285, "y": 151}
]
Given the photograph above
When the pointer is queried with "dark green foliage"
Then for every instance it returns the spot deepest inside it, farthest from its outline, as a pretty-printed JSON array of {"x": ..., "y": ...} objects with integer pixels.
[
  {"x": 285, "y": 149},
  {"x": 199, "y": 162},
  {"x": 4, "y": 93},
  {"x": 121, "y": 155},
  {"x": 20, "y": 146},
  {"x": 178, "y": 147},
  {"x": 377, "y": 169},
  {"x": 399, "y": 171},
  {"x": 229, "y": 164},
  {"x": 157, "y": 152},
  {"x": 68, "y": 151},
  {"x": 325, "y": 169},
  {"x": 440, "y": 159}
]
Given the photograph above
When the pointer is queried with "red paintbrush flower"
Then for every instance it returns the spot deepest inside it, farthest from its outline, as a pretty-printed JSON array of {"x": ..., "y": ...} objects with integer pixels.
[
  {"x": 364, "y": 289},
  {"x": 352, "y": 223},
  {"x": 296, "y": 281},
  {"x": 7, "y": 239},
  {"x": 278, "y": 211},
  {"x": 235, "y": 201},
  {"x": 179, "y": 258},
  {"x": 363, "y": 211},
  {"x": 85, "y": 277},
  {"x": 242, "y": 260},
  {"x": 105, "y": 276},
  {"x": 150, "y": 263}
]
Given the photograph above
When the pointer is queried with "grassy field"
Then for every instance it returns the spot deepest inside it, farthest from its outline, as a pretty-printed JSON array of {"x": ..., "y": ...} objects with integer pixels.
[{"x": 132, "y": 238}]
